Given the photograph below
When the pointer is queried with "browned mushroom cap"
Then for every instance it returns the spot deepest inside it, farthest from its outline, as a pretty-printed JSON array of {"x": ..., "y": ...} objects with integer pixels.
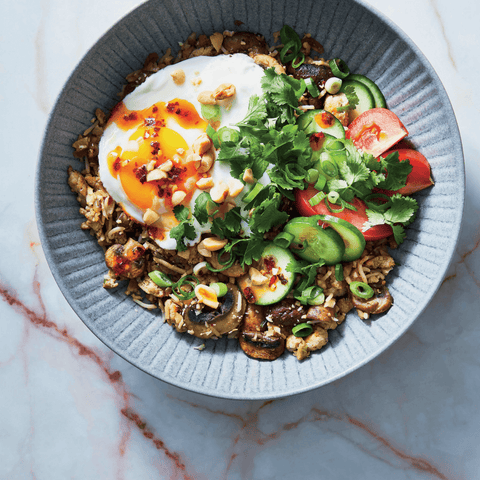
[
  {"x": 287, "y": 312},
  {"x": 254, "y": 341},
  {"x": 126, "y": 260},
  {"x": 324, "y": 316},
  {"x": 379, "y": 303},
  {"x": 226, "y": 318},
  {"x": 245, "y": 41},
  {"x": 318, "y": 73}
]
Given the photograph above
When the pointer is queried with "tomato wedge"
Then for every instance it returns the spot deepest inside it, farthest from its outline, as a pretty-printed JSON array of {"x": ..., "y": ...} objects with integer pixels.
[
  {"x": 357, "y": 218},
  {"x": 420, "y": 176},
  {"x": 376, "y": 130}
]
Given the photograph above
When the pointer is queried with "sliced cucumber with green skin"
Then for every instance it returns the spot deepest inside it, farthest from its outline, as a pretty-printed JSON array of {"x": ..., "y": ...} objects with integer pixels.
[
  {"x": 377, "y": 94},
  {"x": 272, "y": 257},
  {"x": 365, "y": 98},
  {"x": 314, "y": 242},
  {"x": 314, "y": 121},
  {"x": 352, "y": 237}
]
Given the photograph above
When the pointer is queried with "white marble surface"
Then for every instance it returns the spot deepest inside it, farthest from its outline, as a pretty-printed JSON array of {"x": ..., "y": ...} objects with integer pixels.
[{"x": 70, "y": 408}]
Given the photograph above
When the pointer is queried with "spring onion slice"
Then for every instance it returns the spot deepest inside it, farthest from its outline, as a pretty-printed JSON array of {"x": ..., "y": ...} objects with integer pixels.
[
  {"x": 250, "y": 196},
  {"x": 339, "y": 68},
  {"x": 161, "y": 279},
  {"x": 312, "y": 87},
  {"x": 210, "y": 112},
  {"x": 291, "y": 47},
  {"x": 287, "y": 34},
  {"x": 361, "y": 289},
  {"x": 225, "y": 264},
  {"x": 220, "y": 288},
  {"x": 312, "y": 176},
  {"x": 302, "y": 330},
  {"x": 226, "y": 134},
  {"x": 299, "y": 59},
  {"x": 333, "y": 197},
  {"x": 317, "y": 198},
  {"x": 283, "y": 240},
  {"x": 321, "y": 182},
  {"x": 333, "y": 210},
  {"x": 186, "y": 280}
]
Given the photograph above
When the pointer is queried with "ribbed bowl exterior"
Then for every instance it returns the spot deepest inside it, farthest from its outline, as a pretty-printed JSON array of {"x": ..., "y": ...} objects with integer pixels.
[{"x": 371, "y": 45}]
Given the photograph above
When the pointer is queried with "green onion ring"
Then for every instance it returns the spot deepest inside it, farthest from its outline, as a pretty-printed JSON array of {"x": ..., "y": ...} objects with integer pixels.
[
  {"x": 185, "y": 280},
  {"x": 333, "y": 197},
  {"x": 312, "y": 87},
  {"x": 299, "y": 59},
  {"x": 226, "y": 134},
  {"x": 361, "y": 289},
  {"x": 252, "y": 194},
  {"x": 302, "y": 330},
  {"x": 287, "y": 34},
  {"x": 317, "y": 198},
  {"x": 283, "y": 240},
  {"x": 349, "y": 206},
  {"x": 334, "y": 210},
  {"x": 312, "y": 176},
  {"x": 292, "y": 55},
  {"x": 228, "y": 263},
  {"x": 339, "y": 68},
  {"x": 220, "y": 288},
  {"x": 161, "y": 279},
  {"x": 321, "y": 182}
]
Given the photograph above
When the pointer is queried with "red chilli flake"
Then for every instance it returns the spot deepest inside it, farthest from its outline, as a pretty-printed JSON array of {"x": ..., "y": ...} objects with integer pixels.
[
  {"x": 117, "y": 164},
  {"x": 141, "y": 173},
  {"x": 269, "y": 263},
  {"x": 249, "y": 295},
  {"x": 282, "y": 279},
  {"x": 130, "y": 117},
  {"x": 155, "y": 109},
  {"x": 273, "y": 280}
]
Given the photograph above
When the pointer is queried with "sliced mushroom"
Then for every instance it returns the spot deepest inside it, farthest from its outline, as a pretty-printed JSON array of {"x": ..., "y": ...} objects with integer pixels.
[
  {"x": 206, "y": 323},
  {"x": 318, "y": 73},
  {"x": 127, "y": 260},
  {"x": 287, "y": 312},
  {"x": 243, "y": 42},
  {"x": 324, "y": 316},
  {"x": 379, "y": 303},
  {"x": 255, "y": 341}
]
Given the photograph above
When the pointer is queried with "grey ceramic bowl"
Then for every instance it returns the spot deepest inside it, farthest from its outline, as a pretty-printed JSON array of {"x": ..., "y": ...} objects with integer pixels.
[{"x": 371, "y": 45}]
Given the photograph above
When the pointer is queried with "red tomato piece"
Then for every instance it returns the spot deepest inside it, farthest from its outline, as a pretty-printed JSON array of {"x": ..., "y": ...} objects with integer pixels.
[
  {"x": 357, "y": 218},
  {"x": 420, "y": 176},
  {"x": 376, "y": 130}
]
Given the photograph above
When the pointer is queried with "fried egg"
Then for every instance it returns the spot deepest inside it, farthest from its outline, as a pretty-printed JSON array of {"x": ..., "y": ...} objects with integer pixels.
[{"x": 154, "y": 129}]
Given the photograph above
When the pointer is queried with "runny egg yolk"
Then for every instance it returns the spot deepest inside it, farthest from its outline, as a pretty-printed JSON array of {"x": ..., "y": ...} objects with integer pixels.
[{"x": 151, "y": 144}]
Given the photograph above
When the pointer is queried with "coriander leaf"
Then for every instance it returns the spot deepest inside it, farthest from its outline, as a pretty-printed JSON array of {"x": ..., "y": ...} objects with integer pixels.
[
  {"x": 267, "y": 215},
  {"x": 256, "y": 113},
  {"x": 181, "y": 213},
  {"x": 399, "y": 233},
  {"x": 403, "y": 210},
  {"x": 396, "y": 172},
  {"x": 229, "y": 226},
  {"x": 204, "y": 208},
  {"x": 180, "y": 232},
  {"x": 374, "y": 218}
]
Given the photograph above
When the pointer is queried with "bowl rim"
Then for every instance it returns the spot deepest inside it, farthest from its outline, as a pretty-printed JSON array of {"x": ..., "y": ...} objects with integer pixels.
[{"x": 47, "y": 249}]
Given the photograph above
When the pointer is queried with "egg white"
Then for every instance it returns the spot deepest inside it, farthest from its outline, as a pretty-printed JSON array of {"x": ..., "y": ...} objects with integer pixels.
[{"x": 201, "y": 73}]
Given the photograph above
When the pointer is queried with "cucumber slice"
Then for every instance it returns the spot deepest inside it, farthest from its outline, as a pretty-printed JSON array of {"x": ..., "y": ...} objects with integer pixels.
[
  {"x": 352, "y": 237},
  {"x": 318, "y": 243},
  {"x": 273, "y": 257},
  {"x": 377, "y": 94},
  {"x": 314, "y": 121},
  {"x": 365, "y": 98}
]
